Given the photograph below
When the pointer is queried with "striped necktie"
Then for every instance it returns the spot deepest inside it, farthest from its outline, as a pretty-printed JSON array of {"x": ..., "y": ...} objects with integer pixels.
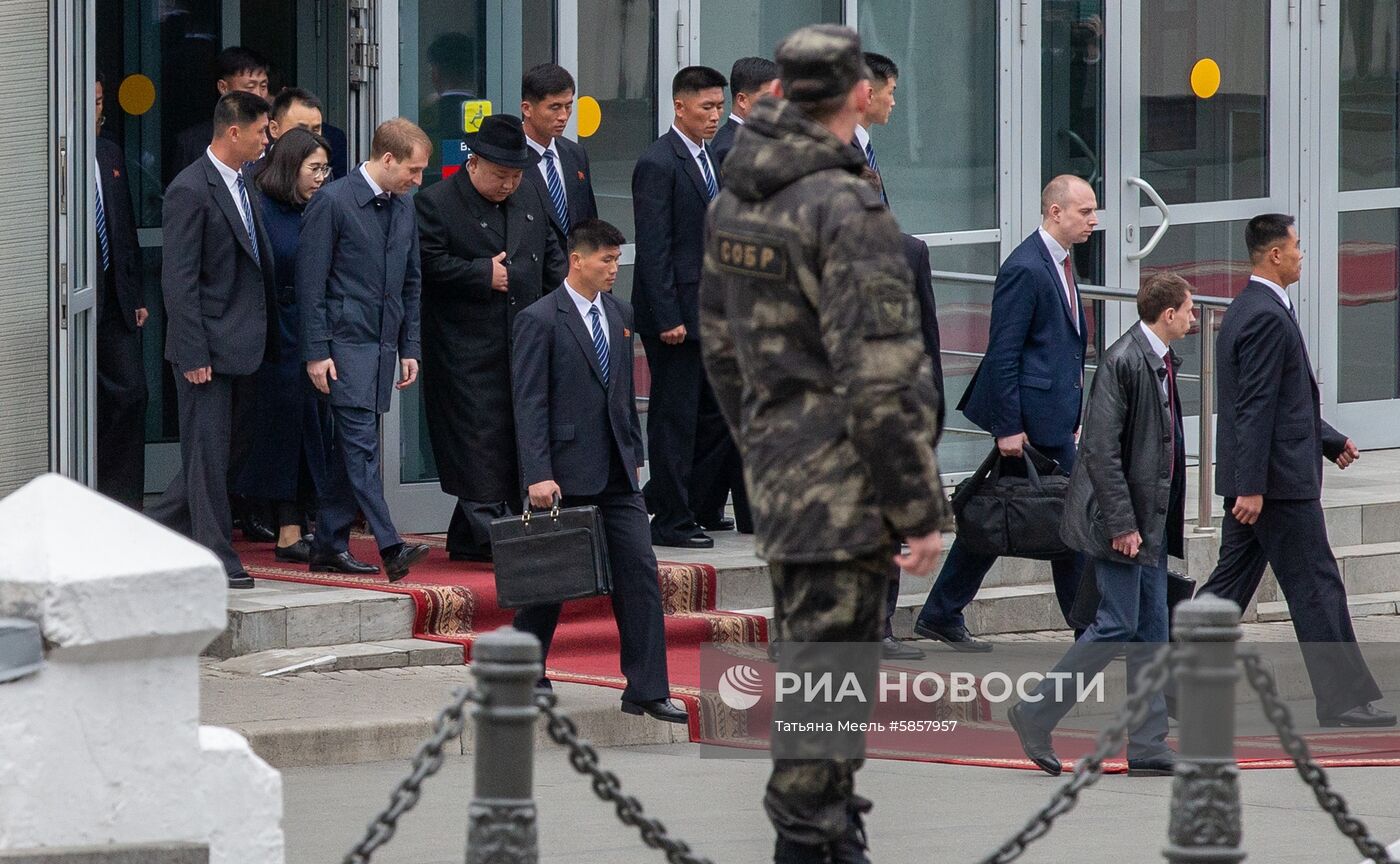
[
  {"x": 875, "y": 166},
  {"x": 248, "y": 218},
  {"x": 556, "y": 191},
  {"x": 102, "y": 241},
  {"x": 710, "y": 186},
  {"x": 600, "y": 344}
]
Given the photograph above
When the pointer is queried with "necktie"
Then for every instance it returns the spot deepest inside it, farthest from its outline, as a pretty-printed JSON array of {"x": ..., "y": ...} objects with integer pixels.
[
  {"x": 102, "y": 241},
  {"x": 875, "y": 166},
  {"x": 1171, "y": 410},
  {"x": 709, "y": 177},
  {"x": 1071, "y": 294},
  {"x": 248, "y": 218},
  {"x": 600, "y": 344},
  {"x": 556, "y": 190}
]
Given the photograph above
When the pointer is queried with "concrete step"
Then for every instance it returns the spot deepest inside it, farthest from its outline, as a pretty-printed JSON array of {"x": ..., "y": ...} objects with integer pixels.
[
  {"x": 282, "y": 615},
  {"x": 1382, "y": 603},
  {"x": 389, "y": 654}
]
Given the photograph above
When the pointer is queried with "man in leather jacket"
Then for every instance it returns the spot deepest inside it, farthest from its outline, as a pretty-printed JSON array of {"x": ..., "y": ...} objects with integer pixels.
[{"x": 1125, "y": 511}]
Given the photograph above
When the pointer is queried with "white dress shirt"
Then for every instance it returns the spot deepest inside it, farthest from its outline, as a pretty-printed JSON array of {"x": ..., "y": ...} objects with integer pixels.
[
  {"x": 583, "y": 306},
  {"x": 231, "y": 181},
  {"x": 862, "y": 137},
  {"x": 558, "y": 166},
  {"x": 1276, "y": 288},
  {"x": 737, "y": 119},
  {"x": 1160, "y": 348},
  {"x": 695, "y": 154},
  {"x": 373, "y": 186}
]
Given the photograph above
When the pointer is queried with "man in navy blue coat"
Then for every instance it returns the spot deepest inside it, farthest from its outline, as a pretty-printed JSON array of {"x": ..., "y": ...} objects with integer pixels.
[
  {"x": 1028, "y": 388},
  {"x": 359, "y": 289},
  {"x": 579, "y": 439},
  {"x": 1272, "y": 442}
]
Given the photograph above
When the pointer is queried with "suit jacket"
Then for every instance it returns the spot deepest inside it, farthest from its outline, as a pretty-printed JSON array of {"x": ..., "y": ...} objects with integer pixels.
[
  {"x": 359, "y": 290},
  {"x": 122, "y": 244},
  {"x": 1271, "y": 433},
  {"x": 577, "y": 178},
  {"x": 1031, "y": 379},
  {"x": 569, "y": 424},
  {"x": 217, "y": 297},
  {"x": 467, "y": 326},
  {"x": 668, "y": 201},
  {"x": 916, "y": 253},
  {"x": 723, "y": 142}
]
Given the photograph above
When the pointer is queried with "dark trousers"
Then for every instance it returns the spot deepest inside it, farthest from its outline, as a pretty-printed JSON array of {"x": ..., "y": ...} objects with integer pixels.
[
  {"x": 196, "y": 501},
  {"x": 1291, "y": 536},
  {"x": 469, "y": 531},
  {"x": 121, "y": 409},
  {"x": 1132, "y": 609},
  {"x": 636, "y": 595},
  {"x": 354, "y": 477},
  {"x": 717, "y": 469},
  {"x": 812, "y": 800},
  {"x": 963, "y": 570}
]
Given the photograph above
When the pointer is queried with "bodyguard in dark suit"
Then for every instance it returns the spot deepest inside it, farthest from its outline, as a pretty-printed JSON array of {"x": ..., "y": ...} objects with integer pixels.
[
  {"x": 884, "y": 78},
  {"x": 561, "y": 173},
  {"x": 217, "y": 279},
  {"x": 236, "y": 68},
  {"x": 672, "y": 184},
  {"x": 749, "y": 78},
  {"x": 580, "y": 440},
  {"x": 1272, "y": 440},
  {"x": 488, "y": 252},
  {"x": 1028, "y": 387},
  {"x": 1125, "y": 511},
  {"x": 121, "y": 312},
  {"x": 358, "y": 292}
]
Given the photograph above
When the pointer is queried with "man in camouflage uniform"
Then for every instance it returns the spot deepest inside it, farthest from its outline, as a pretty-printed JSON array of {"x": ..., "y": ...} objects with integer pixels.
[{"x": 811, "y": 338}]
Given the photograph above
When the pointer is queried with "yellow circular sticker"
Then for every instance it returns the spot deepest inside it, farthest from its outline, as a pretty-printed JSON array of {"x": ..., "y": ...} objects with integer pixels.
[
  {"x": 590, "y": 116},
  {"x": 1205, "y": 78},
  {"x": 137, "y": 94}
]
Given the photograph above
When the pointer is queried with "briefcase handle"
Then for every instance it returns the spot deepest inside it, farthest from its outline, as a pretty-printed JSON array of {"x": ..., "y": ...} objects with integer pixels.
[{"x": 526, "y": 509}]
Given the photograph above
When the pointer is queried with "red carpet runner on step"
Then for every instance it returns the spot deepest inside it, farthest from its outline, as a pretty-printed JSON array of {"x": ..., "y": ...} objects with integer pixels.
[{"x": 456, "y": 601}]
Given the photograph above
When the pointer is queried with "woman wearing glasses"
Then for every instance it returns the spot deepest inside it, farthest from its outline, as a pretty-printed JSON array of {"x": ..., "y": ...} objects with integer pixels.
[{"x": 289, "y": 433}]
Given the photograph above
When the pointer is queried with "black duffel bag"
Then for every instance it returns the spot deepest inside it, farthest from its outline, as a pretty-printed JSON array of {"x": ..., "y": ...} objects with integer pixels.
[{"x": 1009, "y": 515}]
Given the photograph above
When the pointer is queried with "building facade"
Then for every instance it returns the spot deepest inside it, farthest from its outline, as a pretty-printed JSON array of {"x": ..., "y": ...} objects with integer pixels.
[{"x": 1187, "y": 116}]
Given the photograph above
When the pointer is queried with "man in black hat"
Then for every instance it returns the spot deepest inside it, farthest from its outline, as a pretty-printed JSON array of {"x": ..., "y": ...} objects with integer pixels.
[{"x": 488, "y": 252}]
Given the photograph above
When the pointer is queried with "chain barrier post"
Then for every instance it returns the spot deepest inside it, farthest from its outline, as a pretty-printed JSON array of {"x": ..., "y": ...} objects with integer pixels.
[
  {"x": 1205, "y": 817},
  {"x": 501, "y": 817}
]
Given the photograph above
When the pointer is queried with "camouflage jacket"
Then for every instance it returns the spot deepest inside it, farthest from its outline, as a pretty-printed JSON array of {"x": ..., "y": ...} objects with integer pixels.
[{"x": 810, "y": 331}]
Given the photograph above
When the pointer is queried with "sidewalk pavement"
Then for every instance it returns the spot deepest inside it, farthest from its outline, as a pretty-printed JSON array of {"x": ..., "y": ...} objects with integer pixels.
[{"x": 923, "y": 813}]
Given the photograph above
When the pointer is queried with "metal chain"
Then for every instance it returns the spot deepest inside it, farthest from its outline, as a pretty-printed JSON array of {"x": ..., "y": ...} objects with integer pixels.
[
  {"x": 426, "y": 763},
  {"x": 606, "y": 786},
  {"x": 1152, "y": 677},
  {"x": 1262, "y": 680}
]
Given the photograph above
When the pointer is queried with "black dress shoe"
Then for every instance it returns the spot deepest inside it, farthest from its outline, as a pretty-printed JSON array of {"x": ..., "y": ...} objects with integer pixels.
[
  {"x": 1363, "y": 716},
  {"x": 659, "y": 709},
  {"x": 955, "y": 637},
  {"x": 720, "y": 524},
  {"x": 695, "y": 541},
  {"x": 893, "y": 649},
  {"x": 241, "y": 579},
  {"x": 479, "y": 557},
  {"x": 408, "y": 554},
  {"x": 258, "y": 531},
  {"x": 297, "y": 553},
  {"x": 1034, "y": 742},
  {"x": 1157, "y": 766},
  {"x": 341, "y": 562}
]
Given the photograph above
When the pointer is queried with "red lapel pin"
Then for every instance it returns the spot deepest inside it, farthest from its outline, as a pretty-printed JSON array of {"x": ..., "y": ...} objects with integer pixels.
[{"x": 580, "y": 175}]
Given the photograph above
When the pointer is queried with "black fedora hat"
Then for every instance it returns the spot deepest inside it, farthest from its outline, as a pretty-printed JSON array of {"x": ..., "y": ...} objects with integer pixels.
[{"x": 501, "y": 140}]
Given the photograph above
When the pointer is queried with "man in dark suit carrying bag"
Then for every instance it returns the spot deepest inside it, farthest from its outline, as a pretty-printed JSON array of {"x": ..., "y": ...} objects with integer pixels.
[
  {"x": 217, "y": 279},
  {"x": 358, "y": 289},
  {"x": 1269, "y": 471},
  {"x": 580, "y": 439}
]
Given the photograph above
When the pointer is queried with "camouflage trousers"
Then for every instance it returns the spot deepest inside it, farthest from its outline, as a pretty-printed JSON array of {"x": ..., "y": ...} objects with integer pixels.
[{"x": 813, "y": 800}]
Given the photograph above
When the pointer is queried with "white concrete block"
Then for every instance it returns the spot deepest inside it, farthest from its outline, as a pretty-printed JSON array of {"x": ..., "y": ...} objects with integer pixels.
[{"x": 243, "y": 797}]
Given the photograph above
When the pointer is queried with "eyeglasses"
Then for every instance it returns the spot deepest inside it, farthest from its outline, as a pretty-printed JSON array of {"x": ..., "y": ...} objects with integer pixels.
[{"x": 319, "y": 171}]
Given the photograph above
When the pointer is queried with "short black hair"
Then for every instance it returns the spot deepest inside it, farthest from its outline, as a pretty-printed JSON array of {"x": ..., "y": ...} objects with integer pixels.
[
  {"x": 238, "y": 108},
  {"x": 590, "y": 235},
  {"x": 277, "y": 176},
  {"x": 545, "y": 80},
  {"x": 282, "y": 102},
  {"x": 237, "y": 60},
  {"x": 751, "y": 73},
  {"x": 881, "y": 67},
  {"x": 693, "y": 79},
  {"x": 1265, "y": 231}
]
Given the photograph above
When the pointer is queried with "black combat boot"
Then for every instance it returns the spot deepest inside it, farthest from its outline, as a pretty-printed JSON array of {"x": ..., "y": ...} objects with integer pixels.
[
  {"x": 850, "y": 847},
  {"x": 789, "y": 852}
]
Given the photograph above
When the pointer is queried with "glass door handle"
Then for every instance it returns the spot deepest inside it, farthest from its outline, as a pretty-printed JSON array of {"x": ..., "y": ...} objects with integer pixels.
[{"x": 1161, "y": 229}]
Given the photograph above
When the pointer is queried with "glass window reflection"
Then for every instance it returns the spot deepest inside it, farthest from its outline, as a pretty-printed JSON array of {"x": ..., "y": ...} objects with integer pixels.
[{"x": 1368, "y": 329}]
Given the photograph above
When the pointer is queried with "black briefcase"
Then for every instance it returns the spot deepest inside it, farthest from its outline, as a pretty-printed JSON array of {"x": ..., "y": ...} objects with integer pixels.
[
  {"x": 550, "y": 556},
  {"x": 1010, "y": 515}
]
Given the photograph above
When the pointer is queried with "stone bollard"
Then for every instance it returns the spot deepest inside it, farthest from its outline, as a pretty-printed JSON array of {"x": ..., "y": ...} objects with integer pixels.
[
  {"x": 1205, "y": 816},
  {"x": 501, "y": 817}
]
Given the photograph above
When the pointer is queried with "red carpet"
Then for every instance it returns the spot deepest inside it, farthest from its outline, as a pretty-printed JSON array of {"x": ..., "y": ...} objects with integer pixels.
[{"x": 456, "y": 601}]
